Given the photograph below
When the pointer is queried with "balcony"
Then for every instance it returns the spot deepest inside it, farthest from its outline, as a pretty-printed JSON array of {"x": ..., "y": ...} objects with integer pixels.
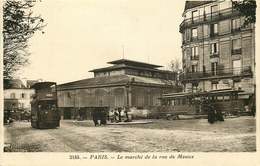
[
  {"x": 214, "y": 55},
  {"x": 236, "y": 51},
  {"x": 212, "y": 35},
  {"x": 216, "y": 16},
  {"x": 220, "y": 73},
  {"x": 235, "y": 30},
  {"x": 196, "y": 57},
  {"x": 194, "y": 39}
]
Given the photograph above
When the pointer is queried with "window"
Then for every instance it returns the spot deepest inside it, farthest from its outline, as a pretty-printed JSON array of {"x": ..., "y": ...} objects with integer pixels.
[
  {"x": 214, "y": 86},
  {"x": 214, "y": 67},
  {"x": 236, "y": 24},
  {"x": 236, "y": 46},
  {"x": 205, "y": 30},
  {"x": 194, "y": 15},
  {"x": 194, "y": 68},
  {"x": 23, "y": 95},
  {"x": 194, "y": 52},
  {"x": 214, "y": 48},
  {"x": 194, "y": 33},
  {"x": 12, "y": 95},
  {"x": 224, "y": 5},
  {"x": 213, "y": 29},
  {"x": 236, "y": 67},
  {"x": 187, "y": 34},
  {"x": 194, "y": 87},
  {"x": 214, "y": 9},
  {"x": 184, "y": 54},
  {"x": 68, "y": 95}
]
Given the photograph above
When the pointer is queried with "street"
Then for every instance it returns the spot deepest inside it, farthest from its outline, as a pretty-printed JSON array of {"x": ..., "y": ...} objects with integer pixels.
[{"x": 197, "y": 135}]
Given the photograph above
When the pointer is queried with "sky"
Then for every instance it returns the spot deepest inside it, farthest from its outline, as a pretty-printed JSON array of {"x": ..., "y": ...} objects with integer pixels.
[{"x": 82, "y": 35}]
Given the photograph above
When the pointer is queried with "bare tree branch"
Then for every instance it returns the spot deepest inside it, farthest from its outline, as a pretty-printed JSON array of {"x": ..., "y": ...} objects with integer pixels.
[{"x": 19, "y": 25}]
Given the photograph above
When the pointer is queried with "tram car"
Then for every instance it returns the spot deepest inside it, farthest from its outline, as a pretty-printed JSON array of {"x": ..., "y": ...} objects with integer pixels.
[
  {"x": 226, "y": 100},
  {"x": 44, "y": 109}
]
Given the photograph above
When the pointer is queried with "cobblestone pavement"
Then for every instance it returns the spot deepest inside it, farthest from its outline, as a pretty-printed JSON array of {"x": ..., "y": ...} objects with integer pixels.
[{"x": 232, "y": 135}]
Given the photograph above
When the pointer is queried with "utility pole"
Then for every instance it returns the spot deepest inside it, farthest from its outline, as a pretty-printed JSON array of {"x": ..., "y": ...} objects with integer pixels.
[{"x": 123, "y": 48}]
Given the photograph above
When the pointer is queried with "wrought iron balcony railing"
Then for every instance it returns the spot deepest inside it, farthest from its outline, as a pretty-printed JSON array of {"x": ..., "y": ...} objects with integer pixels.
[
  {"x": 234, "y": 72},
  {"x": 218, "y": 15},
  {"x": 234, "y": 30},
  {"x": 196, "y": 57},
  {"x": 213, "y": 35},
  {"x": 214, "y": 55},
  {"x": 236, "y": 51}
]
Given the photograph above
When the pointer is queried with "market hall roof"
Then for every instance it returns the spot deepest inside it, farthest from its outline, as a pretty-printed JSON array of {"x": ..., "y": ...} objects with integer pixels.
[
  {"x": 125, "y": 63},
  {"x": 124, "y": 66},
  {"x": 113, "y": 81},
  {"x": 134, "y": 63}
]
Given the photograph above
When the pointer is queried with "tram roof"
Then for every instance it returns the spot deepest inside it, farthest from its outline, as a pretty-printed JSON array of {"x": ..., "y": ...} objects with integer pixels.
[
  {"x": 198, "y": 94},
  {"x": 42, "y": 85}
]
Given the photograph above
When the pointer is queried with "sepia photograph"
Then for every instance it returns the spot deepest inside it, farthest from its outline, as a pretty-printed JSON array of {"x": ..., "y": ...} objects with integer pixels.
[{"x": 128, "y": 76}]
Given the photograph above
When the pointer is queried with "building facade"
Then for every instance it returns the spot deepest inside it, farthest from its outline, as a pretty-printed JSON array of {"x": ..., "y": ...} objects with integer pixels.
[
  {"x": 18, "y": 96},
  {"x": 125, "y": 84},
  {"x": 218, "y": 49}
]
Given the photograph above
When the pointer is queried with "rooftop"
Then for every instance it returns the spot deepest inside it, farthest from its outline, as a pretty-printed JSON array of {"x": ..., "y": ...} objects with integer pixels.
[
  {"x": 14, "y": 84},
  {"x": 134, "y": 63},
  {"x": 123, "y": 66},
  {"x": 113, "y": 80},
  {"x": 218, "y": 92},
  {"x": 126, "y": 63}
]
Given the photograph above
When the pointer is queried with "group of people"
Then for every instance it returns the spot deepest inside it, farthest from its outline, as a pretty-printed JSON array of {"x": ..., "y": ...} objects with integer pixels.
[
  {"x": 101, "y": 116},
  {"x": 116, "y": 115}
]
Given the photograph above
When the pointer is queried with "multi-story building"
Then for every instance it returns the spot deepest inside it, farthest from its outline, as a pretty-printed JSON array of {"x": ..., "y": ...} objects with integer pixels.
[
  {"x": 218, "y": 49},
  {"x": 17, "y": 96},
  {"x": 125, "y": 84}
]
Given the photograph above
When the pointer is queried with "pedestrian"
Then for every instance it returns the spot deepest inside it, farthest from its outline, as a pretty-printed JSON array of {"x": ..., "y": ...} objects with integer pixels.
[
  {"x": 211, "y": 114},
  {"x": 8, "y": 116},
  {"x": 111, "y": 116},
  {"x": 95, "y": 119},
  {"x": 116, "y": 116},
  {"x": 119, "y": 114},
  {"x": 219, "y": 116},
  {"x": 103, "y": 116}
]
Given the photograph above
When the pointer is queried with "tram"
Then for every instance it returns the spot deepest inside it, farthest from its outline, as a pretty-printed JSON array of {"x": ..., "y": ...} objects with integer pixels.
[
  {"x": 226, "y": 100},
  {"x": 44, "y": 109}
]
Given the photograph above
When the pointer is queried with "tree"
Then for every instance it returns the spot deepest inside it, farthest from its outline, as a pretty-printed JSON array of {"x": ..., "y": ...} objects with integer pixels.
[
  {"x": 19, "y": 25},
  {"x": 248, "y": 9},
  {"x": 175, "y": 65}
]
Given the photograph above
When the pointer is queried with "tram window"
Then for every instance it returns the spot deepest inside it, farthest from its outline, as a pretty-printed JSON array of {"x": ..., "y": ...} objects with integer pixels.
[
  {"x": 226, "y": 97},
  {"x": 178, "y": 102},
  {"x": 219, "y": 98},
  {"x": 183, "y": 101}
]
